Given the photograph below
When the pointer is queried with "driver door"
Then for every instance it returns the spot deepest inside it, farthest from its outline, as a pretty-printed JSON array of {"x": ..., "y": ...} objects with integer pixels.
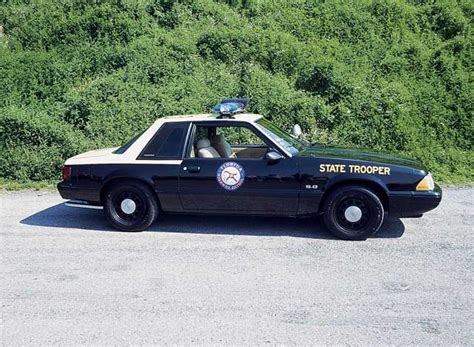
[{"x": 246, "y": 183}]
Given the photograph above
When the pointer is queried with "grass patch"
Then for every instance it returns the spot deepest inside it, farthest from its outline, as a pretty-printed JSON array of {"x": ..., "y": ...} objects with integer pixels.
[{"x": 30, "y": 185}]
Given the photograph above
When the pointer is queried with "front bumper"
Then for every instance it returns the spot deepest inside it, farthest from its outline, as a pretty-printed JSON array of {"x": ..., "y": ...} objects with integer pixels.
[{"x": 414, "y": 204}]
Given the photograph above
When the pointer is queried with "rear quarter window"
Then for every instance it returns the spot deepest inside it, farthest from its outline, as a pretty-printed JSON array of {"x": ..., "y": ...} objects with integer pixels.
[{"x": 168, "y": 142}]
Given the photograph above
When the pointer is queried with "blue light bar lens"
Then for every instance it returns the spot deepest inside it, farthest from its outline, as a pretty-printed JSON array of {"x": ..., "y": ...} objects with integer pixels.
[{"x": 228, "y": 108}]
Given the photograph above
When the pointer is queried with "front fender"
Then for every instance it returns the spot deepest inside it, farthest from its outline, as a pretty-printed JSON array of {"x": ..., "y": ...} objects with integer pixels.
[{"x": 345, "y": 178}]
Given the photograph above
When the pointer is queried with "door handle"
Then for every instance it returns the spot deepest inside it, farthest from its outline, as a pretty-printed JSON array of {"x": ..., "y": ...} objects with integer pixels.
[{"x": 192, "y": 169}]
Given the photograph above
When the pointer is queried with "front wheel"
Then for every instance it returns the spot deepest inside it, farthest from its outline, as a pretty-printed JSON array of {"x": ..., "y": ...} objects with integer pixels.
[
  {"x": 353, "y": 213},
  {"x": 130, "y": 206}
]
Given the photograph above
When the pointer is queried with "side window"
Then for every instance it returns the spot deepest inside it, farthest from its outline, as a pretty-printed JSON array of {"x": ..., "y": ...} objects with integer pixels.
[
  {"x": 227, "y": 141},
  {"x": 167, "y": 143},
  {"x": 240, "y": 136}
]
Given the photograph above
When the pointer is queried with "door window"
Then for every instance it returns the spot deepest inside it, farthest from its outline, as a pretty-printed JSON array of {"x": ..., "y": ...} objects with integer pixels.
[
  {"x": 227, "y": 141},
  {"x": 237, "y": 136}
]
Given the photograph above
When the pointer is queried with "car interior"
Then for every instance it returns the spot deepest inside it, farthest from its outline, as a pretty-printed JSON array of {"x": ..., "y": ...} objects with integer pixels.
[{"x": 227, "y": 142}]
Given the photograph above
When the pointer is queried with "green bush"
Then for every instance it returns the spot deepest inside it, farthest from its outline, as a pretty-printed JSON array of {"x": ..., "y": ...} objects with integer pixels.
[
  {"x": 34, "y": 146},
  {"x": 383, "y": 74}
]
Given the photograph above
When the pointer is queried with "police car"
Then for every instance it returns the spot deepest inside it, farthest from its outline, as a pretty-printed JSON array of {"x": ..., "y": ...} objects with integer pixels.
[{"x": 232, "y": 162}]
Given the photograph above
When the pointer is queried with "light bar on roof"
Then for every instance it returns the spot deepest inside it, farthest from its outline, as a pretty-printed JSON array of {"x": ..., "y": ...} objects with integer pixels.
[
  {"x": 231, "y": 106},
  {"x": 228, "y": 108}
]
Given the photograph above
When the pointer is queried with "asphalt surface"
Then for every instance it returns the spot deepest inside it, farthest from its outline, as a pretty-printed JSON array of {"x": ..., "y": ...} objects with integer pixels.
[{"x": 68, "y": 278}]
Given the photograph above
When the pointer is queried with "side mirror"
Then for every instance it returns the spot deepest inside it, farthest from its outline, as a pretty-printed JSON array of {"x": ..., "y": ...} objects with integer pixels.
[
  {"x": 297, "y": 132},
  {"x": 273, "y": 156}
]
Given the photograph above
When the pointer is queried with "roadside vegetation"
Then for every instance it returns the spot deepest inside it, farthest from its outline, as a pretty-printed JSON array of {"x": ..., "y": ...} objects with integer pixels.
[{"x": 382, "y": 74}]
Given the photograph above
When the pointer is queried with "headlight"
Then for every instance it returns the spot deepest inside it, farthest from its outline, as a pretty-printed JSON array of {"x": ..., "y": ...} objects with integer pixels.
[{"x": 426, "y": 183}]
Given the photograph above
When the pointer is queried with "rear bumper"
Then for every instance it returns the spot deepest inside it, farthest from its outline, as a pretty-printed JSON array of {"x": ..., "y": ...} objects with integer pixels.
[
  {"x": 414, "y": 204},
  {"x": 71, "y": 191}
]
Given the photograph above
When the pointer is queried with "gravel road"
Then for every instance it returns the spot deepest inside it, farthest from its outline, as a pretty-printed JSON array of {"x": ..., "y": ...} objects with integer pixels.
[{"x": 68, "y": 278}]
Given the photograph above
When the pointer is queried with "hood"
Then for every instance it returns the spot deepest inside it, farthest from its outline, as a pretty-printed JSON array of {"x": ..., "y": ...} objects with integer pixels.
[{"x": 337, "y": 152}]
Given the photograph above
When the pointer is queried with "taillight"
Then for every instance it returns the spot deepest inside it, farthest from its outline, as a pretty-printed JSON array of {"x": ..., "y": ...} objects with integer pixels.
[{"x": 66, "y": 173}]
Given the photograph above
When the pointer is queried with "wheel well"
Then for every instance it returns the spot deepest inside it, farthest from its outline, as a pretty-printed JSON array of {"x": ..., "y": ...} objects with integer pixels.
[
  {"x": 376, "y": 188},
  {"x": 114, "y": 181}
]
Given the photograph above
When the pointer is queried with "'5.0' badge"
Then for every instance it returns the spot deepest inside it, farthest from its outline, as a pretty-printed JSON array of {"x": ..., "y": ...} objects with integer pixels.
[{"x": 230, "y": 175}]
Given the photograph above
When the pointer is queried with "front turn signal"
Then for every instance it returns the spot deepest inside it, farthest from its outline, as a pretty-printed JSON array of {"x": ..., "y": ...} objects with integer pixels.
[{"x": 426, "y": 183}]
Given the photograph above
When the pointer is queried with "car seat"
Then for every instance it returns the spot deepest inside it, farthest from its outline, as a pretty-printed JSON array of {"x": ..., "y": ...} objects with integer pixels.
[
  {"x": 205, "y": 150},
  {"x": 222, "y": 146}
]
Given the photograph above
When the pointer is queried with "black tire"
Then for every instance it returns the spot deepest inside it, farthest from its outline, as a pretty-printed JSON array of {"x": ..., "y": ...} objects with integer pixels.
[
  {"x": 345, "y": 205},
  {"x": 138, "y": 218}
]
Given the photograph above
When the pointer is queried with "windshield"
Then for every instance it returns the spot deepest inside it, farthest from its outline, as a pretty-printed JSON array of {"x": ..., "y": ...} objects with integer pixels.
[{"x": 280, "y": 137}]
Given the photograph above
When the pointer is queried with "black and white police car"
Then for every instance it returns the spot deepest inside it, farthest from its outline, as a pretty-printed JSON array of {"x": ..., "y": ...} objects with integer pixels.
[{"x": 233, "y": 162}]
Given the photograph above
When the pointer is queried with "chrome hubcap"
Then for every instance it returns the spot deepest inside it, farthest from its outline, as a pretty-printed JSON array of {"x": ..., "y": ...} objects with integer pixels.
[
  {"x": 128, "y": 206},
  {"x": 353, "y": 214}
]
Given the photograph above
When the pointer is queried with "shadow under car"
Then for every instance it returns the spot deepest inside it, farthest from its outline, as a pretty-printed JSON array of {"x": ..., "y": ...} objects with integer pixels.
[{"x": 62, "y": 216}]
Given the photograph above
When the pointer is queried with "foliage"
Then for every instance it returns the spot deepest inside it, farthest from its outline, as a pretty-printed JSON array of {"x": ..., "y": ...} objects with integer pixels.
[{"x": 383, "y": 74}]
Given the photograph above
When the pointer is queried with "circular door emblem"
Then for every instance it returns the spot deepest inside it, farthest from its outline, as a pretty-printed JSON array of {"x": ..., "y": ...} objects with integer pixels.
[{"x": 230, "y": 175}]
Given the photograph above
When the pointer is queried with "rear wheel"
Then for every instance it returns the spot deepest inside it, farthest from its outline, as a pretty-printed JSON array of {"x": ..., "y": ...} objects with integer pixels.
[
  {"x": 353, "y": 213},
  {"x": 130, "y": 206}
]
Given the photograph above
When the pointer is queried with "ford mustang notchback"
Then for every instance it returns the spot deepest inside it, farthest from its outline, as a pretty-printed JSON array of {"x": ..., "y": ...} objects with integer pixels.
[{"x": 233, "y": 162}]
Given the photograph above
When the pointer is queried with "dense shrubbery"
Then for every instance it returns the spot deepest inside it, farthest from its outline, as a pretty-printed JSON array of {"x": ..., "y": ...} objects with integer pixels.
[{"x": 384, "y": 74}]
